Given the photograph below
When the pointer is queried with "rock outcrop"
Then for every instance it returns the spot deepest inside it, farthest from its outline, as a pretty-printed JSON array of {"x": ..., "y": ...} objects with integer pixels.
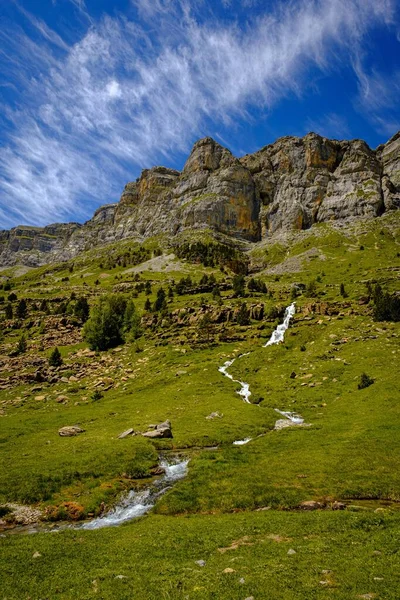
[{"x": 290, "y": 184}]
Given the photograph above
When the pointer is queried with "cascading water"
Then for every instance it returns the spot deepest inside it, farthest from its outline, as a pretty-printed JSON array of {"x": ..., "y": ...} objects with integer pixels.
[
  {"x": 137, "y": 504},
  {"x": 276, "y": 338},
  {"x": 279, "y": 333},
  {"x": 245, "y": 389},
  {"x": 293, "y": 417}
]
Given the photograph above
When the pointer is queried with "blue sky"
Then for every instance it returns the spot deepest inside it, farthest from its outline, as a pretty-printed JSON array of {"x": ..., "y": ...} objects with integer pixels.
[{"x": 93, "y": 91}]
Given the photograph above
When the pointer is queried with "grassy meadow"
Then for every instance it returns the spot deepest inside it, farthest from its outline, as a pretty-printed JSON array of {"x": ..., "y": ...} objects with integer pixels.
[{"x": 238, "y": 507}]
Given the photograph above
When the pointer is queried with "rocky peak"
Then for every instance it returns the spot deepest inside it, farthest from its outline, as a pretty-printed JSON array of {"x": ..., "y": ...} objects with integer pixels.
[
  {"x": 208, "y": 155},
  {"x": 290, "y": 184}
]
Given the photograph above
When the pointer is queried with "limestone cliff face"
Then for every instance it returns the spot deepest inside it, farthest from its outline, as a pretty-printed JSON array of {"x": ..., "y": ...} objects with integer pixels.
[{"x": 290, "y": 184}]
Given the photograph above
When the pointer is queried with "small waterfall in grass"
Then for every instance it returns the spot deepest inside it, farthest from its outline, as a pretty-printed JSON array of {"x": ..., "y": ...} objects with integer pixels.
[
  {"x": 279, "y": 333},
  {"x": 276, "y": 337},
  {"x": 137, "y": 504},
  {"x": 244, "y": 391}
]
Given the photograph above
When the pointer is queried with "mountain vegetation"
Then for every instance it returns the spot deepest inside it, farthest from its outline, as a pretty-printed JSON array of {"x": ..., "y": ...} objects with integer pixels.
[{"x": 123, "y": 334}]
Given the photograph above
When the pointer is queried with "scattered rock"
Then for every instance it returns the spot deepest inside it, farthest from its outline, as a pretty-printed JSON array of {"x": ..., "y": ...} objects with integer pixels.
[
  {"x": 201, "y": 563},
  {"x": 163, "y": 430},
  {"x": 214, "y": 415},
  {"x": 70, "y": 431},
  {"x": 311, "y": 505},
  {"x": 229, "y": 570},
  {"x": 126, "y": 433},
  {"x": 36, "y": 555},
  {"x": 291, "y": 552},
  {"x": 61, "y": 399},
  {"x": 338, "y": 505}
]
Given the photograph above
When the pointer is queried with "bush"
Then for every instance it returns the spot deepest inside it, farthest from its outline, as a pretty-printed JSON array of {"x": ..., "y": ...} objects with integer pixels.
[
  {"x": 21, "y": 310},
  {"x": 243, "y": 315},
  {"x": 238, "y": 285},
  {"x": 22, "y": 345},
  {"x": 55, "y": 359},
  {"x": 97, "y": 395},
  {"x": 386, "y": 306},
  {"x": 8, "y": 311},
  {"x": 81, "y": 309},
  {"x": 365, "y": 381},
  {"x": 160, "y": 304},
  {"x": 311, "y": 289}
]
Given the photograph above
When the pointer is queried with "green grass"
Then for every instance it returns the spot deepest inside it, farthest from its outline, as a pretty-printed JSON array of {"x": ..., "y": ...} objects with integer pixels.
[
  {"x": 350, "y": 451},
  {"x": 337, "y": 556}
]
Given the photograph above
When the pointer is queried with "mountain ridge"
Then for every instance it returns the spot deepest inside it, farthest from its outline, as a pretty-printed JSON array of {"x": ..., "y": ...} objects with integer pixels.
[{"x": 288, "y": 185}]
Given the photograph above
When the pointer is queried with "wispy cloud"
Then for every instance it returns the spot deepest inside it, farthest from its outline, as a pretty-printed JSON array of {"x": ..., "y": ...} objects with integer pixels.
[
  {"x": 378, "y": 98},
  {"x": 330, "y": 125},
  {"x": 125, "y": 95}
]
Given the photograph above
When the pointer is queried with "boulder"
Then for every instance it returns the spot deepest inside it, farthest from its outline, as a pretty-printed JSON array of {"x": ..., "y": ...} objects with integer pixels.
[
  {"x": 70, "y": 431},
  {"x": 163, "y": 430}
]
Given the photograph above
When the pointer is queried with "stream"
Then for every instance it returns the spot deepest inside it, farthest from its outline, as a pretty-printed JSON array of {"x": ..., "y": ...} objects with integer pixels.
[
  {"x": 138, "y": 503},
  {"x": 277, "y": 337}
]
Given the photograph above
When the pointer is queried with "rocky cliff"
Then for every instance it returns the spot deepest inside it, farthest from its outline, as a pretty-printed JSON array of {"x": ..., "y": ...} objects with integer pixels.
[{"x": 288, "y": 185}]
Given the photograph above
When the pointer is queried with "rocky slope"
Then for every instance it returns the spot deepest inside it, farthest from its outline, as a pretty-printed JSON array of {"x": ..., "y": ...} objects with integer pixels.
[{"x": 288, "y": 185}]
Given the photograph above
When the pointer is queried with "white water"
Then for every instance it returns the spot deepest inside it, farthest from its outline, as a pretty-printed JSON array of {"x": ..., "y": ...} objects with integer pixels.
[
  {"x": 242, "y": 442},
  {"x": 293, "y": 417},
  {"x": 245, "y": 387},
  {"x": 276, "y": 338},
  {"x": 279, "y": 333},
  {"x": 137, "y": 504}
]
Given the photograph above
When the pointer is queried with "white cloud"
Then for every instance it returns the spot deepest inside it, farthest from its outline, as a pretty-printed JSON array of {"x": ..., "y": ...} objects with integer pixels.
[
  {"x": 330, "y": 125},
  {"x": 127, "y": 95},
  {"x": 378, "y": 98}
]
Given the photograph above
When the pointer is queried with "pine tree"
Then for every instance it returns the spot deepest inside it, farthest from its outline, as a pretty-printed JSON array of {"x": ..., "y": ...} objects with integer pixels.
[
  {"x": 81, "y": 309},
  {"x": 55, "y": 359},
  {"x": 8, "y": 309},
  {"x": 22, "y": 345},
  {"x": 21, "y": 310},
  {"x": 160, "y": 304}
]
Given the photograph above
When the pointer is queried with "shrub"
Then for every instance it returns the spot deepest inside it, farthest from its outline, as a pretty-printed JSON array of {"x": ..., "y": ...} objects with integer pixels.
[
  {"x": 12, "y": 297},
  {"x": 132, "y": 325},
  {"x": 311, "y": 289},
  {"x": 22, "y": 345},
  {"x": 343, "y": 292},
  {"x": 21, "y": 310},
  {"x": 160, "y": 303},
  {"x": 365, "y": 381},
  {"x": 97, "y": 395},
  {"x": 55, "y": 359},
  {"x": 243, "y": 315},
  {"x": 238, "y": 285},
  {"x": 386, "y": 306},
  {"x": 8, "y": 311},
  {"x": 81, "y": 309}
]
